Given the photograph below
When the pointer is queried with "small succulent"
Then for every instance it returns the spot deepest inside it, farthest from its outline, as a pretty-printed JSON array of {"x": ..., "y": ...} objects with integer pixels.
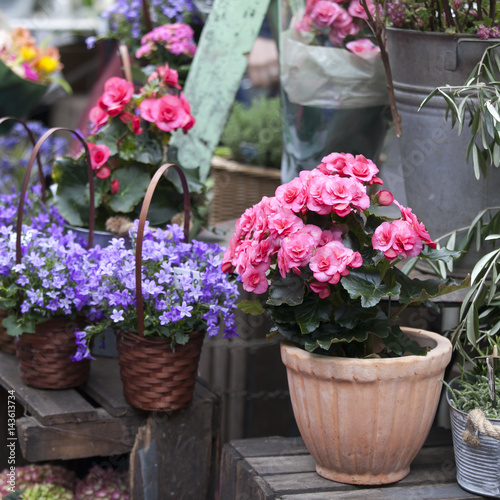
[{"x": 46, "y": 492}]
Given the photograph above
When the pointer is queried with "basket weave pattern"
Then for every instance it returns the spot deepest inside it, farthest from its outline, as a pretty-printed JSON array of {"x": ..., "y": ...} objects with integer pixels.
[
  {"x": 7, "y": 342},
  {"x": 238, "y": 187},
  {"x": 45, "y": 356},
  {"x": 154, "y": 377}
]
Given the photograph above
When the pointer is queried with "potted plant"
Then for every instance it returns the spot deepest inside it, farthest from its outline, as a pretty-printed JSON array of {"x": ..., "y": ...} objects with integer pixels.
[
  {"x": 26, "y": 70},
  {"x": 179, "y": 294},
  {"x": 472, "y": 397},
  {"x": 334, "y": 91},
  {"x": 326, "y": 261},
  {"x": 432, "y": 156},
  {"x": 39, "y": 217},
  {"x": 127, "y": 143},
  {"x": 246, "y": 165}
]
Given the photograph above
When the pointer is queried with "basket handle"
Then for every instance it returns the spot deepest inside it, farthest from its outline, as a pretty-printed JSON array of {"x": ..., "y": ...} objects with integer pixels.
[
  {"x": 33, "y": 141},
  {"x": 140, "y": 232},
  {"x": 26, "y": 179}
]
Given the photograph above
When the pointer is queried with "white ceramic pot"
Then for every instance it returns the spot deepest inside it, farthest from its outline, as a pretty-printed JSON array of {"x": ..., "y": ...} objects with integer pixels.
[{"x": 365, "y": 420}]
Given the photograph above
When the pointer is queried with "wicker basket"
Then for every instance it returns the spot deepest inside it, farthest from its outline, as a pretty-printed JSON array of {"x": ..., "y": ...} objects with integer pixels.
[
  {"x": 7, "y": 342},
  {"x": 238, "y": 186},
  {"x": 154, "y": 377},
  {"x": 45, "y": 356}
]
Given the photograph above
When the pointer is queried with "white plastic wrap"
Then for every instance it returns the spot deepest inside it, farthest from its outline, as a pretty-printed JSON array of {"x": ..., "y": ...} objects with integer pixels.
[{"x": 329, "y": 77}]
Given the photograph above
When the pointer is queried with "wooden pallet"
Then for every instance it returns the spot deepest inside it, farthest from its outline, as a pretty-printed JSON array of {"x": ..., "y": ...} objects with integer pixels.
[
  {"x": 177, "y": 452},
  {"x": 281, "y": 468}
]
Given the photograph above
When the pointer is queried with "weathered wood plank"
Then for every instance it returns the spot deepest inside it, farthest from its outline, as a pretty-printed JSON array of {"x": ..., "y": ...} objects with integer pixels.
[
  {"x": 282, "y": 464},
  {"x": 228, "y": 478},
  {"x": 178, "y": 454},
  {"x": 434, "y": 492},
  {"x": 104, "y": 436},
  {"x": 49, "y": 407},
  {"x": 269, "y": 446},
  {"x": 214, "y": 77},
  {"x": 105, "y": 387}
]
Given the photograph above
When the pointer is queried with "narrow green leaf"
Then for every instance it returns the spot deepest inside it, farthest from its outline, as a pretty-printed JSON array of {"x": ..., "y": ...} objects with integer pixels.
[
  {"x": 475, "y": 161},
  {"x": 493, "y": 111},
  {"x": 472, "y": 325}
]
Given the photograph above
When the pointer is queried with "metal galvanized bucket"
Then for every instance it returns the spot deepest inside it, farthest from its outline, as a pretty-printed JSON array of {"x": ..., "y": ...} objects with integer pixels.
[
  {"x": 433, "y": 155},
  {"x": 478, "y": 467}
]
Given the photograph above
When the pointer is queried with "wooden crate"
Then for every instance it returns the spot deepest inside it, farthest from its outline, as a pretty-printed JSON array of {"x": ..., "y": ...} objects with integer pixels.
[
  {"x": 96, "y": 421},
  {"x": 281, "y": 468}
]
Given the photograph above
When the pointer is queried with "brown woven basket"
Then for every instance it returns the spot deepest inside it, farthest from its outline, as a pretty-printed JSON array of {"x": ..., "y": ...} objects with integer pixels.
[
  {"x": 7, "y": 342},
  {"x": 238, "y": 187},
  {"x": 44, "y": 357},
  {"x": 154, "y": 377}
]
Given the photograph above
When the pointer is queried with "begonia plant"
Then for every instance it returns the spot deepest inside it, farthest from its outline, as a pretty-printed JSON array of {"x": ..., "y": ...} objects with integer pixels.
[
  {"x": 183, "y": 288},
  {"x": 128, "y": 142},
  {"x": 326, "y": 261}
]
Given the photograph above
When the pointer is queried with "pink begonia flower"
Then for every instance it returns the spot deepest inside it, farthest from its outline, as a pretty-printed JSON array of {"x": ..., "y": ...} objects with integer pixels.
[
  {"x": 292, "y": 195},
  {"x": 98, "y": 117},
  {"x": 310, "y": 5},
  {"x": 397, "y": 239},
  {"x": 360, "y": 168},
  {"x": 362, "y": 45},
  {"x": 135, "y": 120},
  {"x": 254, "y": 281},
  {"x": 117, "y": 93},
  {"x": 344, "y": 22},
  {"x": 304, "y": 24},
  {"x": 335, "y": 233},
  {"x": 316, "y": 187},
  {"x": 384, "y": 198},
  {"x": 104, "y": 172},
  {"x": 99, "y": 154},
  {"x": 338, "y": 34},
  {"x": 169, "y": 76},
  {"x": 284, "y": 223},
  {"x": 296, "y": 251},
  {"x": 355, "y": 9},
  {"x": 322, "y": 289},
  {"x": 115, "y": 186},
  {"x": 324, "y": 13},
  {"x": 418, "y": 227},
  {"x": 335, "y": 163},
  {"x": 168, "y": 113},
  {"x": 259, "y": 254},
  {"x": 330, "y": 262},
  {"x": 189, "y": 120}
]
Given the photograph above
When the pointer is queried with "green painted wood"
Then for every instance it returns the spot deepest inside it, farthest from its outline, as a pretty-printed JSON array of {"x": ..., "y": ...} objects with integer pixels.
[{"x": 214, "y": 78}]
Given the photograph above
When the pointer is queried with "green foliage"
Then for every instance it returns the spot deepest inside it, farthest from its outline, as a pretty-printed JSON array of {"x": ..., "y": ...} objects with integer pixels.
[
  {"x": 253, "y": 133},
  {"x": 476, "y": 103}
]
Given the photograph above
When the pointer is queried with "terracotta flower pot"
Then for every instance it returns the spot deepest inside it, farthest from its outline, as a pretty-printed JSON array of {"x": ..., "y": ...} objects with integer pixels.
[
  {"x": 364, "y": 420},
  {"x": 44, "y": 357}
]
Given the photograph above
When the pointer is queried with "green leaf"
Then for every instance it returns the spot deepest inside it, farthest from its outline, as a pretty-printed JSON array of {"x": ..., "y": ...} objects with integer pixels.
[
  {"x": 472, "y": 322},
  {"x": 111, "y": 134},
  {"x": 289, "y": 290},
  {"x": 414, "y": 290},
  {"x": 311, "y": 313},
  {"x": 13, "y": 326},
  {"x": 368, "y": 286},
  {"x": 133, "y": 183},
  {"x": 399, "y": 343},
  {"x": 253, "y": 307},
  {"x": 72, "y": 190}
]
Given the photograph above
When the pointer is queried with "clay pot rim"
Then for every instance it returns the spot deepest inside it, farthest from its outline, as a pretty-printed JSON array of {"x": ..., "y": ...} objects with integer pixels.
[{"x": 441, "y": 348}]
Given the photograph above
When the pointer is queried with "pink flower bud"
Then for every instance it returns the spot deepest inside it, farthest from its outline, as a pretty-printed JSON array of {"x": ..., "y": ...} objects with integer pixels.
[{"x": 384, "y": 198}]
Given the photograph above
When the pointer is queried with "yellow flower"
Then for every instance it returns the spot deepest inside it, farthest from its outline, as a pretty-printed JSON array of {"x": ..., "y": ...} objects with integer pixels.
[
  {"x": 28, "y": 52},
  {"x": 47, "y": 64}
]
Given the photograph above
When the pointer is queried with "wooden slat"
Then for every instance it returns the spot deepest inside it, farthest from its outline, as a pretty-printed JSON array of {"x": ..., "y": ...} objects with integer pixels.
[
  {"x": 103, "y": 437},
  {"x": 105, "y": 387},
  {"x": 269, "y": 446},
  {"x": 49, "y": 407},
  {"x": 427, "y": 492},
  {"x": 214, "y": 77}
]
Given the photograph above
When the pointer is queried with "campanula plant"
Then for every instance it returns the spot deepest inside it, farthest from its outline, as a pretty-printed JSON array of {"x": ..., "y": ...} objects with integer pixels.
[{"x": 183, "y": 287}]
